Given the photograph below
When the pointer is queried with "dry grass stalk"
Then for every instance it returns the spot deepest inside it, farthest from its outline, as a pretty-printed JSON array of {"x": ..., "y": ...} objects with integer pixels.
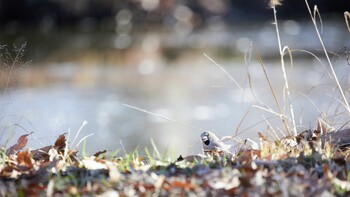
[
  {"x": 284, "y": 70},
  {"x": 274, "y": 3},
  {"x": 345, "y": 102},
  {"x": 163, "y": 117},
  {"x": 283, "y": 118},
  {"x": 347, "y": 18},
  {"x": 263, "y": 107},
  {"x": 317, "y": 13},
  {"x": 223, "y": 70}
]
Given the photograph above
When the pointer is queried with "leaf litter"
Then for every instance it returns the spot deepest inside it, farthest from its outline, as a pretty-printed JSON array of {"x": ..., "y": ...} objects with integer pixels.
[{"x": 314, "y": 163}]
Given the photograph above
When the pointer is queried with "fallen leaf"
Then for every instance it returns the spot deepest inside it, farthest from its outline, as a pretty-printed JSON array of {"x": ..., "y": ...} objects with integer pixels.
[
  {"x": 60, "y": 142},
  {"x": 160, "y": 181},
  {"x": 114, "y": 174},
  {"x": 24, "y": 159},
  {"x": 72, "y": 190},
  {"x": 249, "y": 155},
  {"x": 33, "y": 189},
  {"x": 41, "y": 154},
  {"x": 91, "y": 164},
  {"x": 181, "y": 184},
  {"x": 109, "y": 192},
  {"x": 99, "y": 153},
  {"x": 21, "y": 143},
  {"x": 234, "y": 182}
]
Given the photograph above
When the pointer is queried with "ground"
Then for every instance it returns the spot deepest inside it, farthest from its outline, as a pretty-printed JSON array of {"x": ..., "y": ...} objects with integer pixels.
[{"x": 310, "y": 164}]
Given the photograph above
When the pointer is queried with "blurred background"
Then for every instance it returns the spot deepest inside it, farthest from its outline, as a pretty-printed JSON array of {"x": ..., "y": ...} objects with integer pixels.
[{"x": 63, "y": 62}]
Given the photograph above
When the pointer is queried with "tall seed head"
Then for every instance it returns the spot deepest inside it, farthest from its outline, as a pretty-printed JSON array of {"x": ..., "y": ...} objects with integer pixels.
[{"x": 274, "y": 3}]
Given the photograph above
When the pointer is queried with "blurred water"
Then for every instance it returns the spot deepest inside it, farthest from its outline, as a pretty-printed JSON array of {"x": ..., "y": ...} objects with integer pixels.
[
  {"x": 199, "y": 95},
  {"x": 78, "y": 76}
]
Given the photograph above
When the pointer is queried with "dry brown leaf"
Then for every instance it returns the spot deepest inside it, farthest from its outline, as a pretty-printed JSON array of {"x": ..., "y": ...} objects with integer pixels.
[
  {"x": 99, "y": 153},
  {"x": 24, "y": 159},
  {"x": 21, "y": 143},
  {"x": 41, "y": 154},
  {"x": 60, "y": 142},
  {"x": 33, "y": 189},
  {"x": 262, "y": 137},
  {"x": 181, "y": 184},
  {"x": 247, "y": 156}
]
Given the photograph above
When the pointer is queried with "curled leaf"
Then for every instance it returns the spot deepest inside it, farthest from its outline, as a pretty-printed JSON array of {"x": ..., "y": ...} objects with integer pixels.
[{"x": 21, "y": 143}]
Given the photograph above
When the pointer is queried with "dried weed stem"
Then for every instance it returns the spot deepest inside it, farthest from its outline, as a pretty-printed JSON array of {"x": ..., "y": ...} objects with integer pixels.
[
  {"x": 347, "y": 18},
  {"x": 284, "y": 73},
  {"x": 313, "y": 18}
]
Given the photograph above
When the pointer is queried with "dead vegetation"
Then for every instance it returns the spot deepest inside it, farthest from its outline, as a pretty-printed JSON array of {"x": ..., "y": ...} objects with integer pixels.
[{"x": 310, "y": 164}]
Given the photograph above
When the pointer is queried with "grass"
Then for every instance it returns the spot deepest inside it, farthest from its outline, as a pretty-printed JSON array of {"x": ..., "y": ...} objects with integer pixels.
[
  {"x": 347, "y": 18},
  {"x": 309, "y": 163},
  {"x": 270, "y": 169},
  {"x": 313, "y": 18},
  {"x": 282, "y": 53}
]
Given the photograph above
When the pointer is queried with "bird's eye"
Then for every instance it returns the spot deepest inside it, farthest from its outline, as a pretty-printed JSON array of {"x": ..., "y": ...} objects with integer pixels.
[{"x": 205, "y": 139}]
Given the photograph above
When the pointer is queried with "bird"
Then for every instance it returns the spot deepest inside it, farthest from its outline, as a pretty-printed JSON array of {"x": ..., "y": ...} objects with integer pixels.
[{"x": 213, "y": 145}]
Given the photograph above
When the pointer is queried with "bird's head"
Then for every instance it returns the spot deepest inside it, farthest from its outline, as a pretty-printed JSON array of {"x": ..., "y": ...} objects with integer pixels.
[{"x": 205, "y": 138}]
